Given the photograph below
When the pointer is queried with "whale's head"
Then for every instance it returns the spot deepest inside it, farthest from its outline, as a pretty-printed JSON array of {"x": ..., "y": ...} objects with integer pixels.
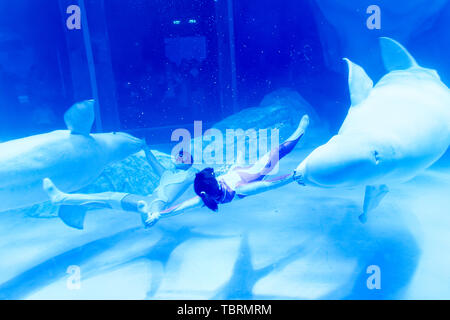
[
  {"x": 342, "y": 162},
  {"x": 119, "y": 145}
]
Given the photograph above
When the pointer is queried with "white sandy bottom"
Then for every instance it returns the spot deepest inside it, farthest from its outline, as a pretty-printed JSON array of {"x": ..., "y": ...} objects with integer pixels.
[{"x": 292, "y": 243}]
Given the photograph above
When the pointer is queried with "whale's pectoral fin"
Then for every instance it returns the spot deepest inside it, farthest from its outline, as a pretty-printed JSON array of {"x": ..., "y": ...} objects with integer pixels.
[
  {"x": 359, "y": 83},
  {"x": 80, "y": 117},
  {"x": 395, "y": 56},
  {"x": 73, "y": 216},
  {"x": 372, "y": 198}
]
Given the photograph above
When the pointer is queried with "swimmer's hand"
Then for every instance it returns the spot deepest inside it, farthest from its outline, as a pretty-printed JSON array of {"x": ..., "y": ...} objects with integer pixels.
[
  {"x": 149, "y": 219},
  {"x": 152, "y": 219}
]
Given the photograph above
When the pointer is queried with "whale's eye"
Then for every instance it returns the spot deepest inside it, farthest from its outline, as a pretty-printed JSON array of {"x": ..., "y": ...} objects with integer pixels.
[{"x": 376, "y": 155}]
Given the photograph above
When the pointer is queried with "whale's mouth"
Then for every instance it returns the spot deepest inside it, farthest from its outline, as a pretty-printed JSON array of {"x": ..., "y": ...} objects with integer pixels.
[
  {"x": 298, "y": 177},
  {"x": 299, "y": 174}
]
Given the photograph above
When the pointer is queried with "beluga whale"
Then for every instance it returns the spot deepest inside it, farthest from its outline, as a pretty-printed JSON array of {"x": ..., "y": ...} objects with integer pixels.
[
  {"x": 73, "y": 158},
  {"x": 392, "y": 132}
]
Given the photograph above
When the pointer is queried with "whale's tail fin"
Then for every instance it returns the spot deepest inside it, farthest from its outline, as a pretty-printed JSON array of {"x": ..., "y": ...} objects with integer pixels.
[{"x": 72, "y": 216}]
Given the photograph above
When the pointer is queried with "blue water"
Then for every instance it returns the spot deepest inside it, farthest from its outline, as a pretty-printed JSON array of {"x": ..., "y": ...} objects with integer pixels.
[{"x": 155, "y": 66}]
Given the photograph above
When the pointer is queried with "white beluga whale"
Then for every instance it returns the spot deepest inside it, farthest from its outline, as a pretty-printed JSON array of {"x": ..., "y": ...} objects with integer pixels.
[
  {"x": 72, "y": 158},
  {"x": 392, "y": 132}
]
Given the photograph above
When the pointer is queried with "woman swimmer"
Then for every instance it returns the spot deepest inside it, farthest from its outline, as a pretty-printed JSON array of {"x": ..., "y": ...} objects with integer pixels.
[
  {"x": 237, "y": 183},
  {"x": 173, "y": 183}
]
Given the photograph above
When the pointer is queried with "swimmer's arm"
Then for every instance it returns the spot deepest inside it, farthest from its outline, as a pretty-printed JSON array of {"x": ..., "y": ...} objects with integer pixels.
[
  {"x": 265, "y": 185},
  {"x": 193, "y": 203}
]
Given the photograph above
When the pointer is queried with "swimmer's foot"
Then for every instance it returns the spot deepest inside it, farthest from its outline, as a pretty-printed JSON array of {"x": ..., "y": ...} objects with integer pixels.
[
  {"x": 304, "y": 123},
  {"x": 56, "y": 195},
  {"x": 301, "y": 129}
]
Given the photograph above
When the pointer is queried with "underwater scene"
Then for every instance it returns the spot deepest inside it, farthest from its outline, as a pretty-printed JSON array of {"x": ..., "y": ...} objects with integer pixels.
[{"x": 224, "y": 149}]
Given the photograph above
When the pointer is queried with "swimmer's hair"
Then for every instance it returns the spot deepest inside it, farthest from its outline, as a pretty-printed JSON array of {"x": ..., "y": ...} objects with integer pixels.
[{"x": 207, "y": 188}]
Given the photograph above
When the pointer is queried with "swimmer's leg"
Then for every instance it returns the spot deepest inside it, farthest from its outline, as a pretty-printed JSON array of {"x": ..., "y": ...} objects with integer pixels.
[
  {"x": 292, "y": 141},
  {"x": 240, "y": 159},
  {"x": 73, "y": 207},
  {"x": 268, "y": 162},
  {"x": 110, "y": 200},
  {"x": 300, "y": 131}
]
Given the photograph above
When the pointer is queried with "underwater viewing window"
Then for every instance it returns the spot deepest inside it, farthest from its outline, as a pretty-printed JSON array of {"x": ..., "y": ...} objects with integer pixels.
[
  {"x": 35, "y": 77},
  {"x": 165, "y": 62},
  {"x": 160, "y": 70},
  {"x": 152, "y": 66}
]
